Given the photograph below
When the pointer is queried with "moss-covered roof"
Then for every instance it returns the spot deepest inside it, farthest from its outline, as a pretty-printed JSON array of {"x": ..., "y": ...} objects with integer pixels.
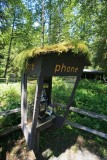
[{"x": 76, "y": 48}]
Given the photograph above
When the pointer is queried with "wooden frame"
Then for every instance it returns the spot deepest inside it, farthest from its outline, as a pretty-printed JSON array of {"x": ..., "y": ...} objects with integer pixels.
[{"x": 45, "y": 67}]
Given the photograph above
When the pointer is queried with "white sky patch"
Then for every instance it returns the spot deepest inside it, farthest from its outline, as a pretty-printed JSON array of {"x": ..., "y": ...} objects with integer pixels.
[{"x": 36, "y": 24}]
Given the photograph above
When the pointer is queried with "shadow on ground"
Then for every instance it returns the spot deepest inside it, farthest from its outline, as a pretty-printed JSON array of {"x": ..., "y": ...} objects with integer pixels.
[{"x": 55, "y": 143}]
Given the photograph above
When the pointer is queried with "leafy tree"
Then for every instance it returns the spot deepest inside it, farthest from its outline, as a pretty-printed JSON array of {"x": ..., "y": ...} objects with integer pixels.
[
  {"x": 14, "y": 37},
  {"x": 96, "y": 10},
  {"x": 25, "y": 24}
]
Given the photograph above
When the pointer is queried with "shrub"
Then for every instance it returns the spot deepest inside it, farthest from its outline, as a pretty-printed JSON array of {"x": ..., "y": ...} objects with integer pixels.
[{"x": 9, "y": 97}]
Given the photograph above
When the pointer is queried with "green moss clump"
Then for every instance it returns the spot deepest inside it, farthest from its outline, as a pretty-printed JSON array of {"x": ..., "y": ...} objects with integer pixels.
[{"x": 71, "y": 46}]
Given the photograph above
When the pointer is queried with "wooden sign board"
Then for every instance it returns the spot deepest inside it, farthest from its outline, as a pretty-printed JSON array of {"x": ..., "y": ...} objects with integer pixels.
[{"x": 65, "y": 64}]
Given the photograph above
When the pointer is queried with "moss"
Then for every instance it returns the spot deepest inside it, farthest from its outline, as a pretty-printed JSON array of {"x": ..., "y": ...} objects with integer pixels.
[{"x": 64, "y": 47}]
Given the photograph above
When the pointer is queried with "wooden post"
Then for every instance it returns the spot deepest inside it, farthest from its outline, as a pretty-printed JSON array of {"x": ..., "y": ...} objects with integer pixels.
[
  {"x": 36, "y": 140},
  {"x": 33, "y": 141},
  {"x": 24, "y": 100},
  {"x": 72, "y": 96}
]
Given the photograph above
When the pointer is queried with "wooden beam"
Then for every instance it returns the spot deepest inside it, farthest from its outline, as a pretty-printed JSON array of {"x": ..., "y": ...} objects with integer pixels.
[
  {"x": 83, "y": 112},
  {"x": 24, "y": 99},
  {"x": 93, "y": 131},
  {"x": 5, "y": 113},
  {"x": 9, "y": 130},
  {"x": 72, "y": 94},
  {"x": 90, "y": 114},
  {"x": 34, "y": 131},
  {"x": 46, "y": 124}
]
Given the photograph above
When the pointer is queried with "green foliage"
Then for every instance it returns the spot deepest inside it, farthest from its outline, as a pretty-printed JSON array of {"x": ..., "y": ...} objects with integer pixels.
[
  {"x": 63, "y": 20},
  {"x": 61, "y": 91},
  {"x": 9, "y": 121},
  {"x": 101, "y": 54},
  {"x": 31, "y": 94},
  {"x": 9, "y": 96},
  {"x": 90, "y": 96},
  {"x": 9, "y": 99}
]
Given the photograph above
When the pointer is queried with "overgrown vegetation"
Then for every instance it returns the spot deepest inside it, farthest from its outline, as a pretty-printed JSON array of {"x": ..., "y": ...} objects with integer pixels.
[
  {"x": 90, "y": 96},
  {"x": 9, "y": 96},
  {"x": 74, "y": 46}
]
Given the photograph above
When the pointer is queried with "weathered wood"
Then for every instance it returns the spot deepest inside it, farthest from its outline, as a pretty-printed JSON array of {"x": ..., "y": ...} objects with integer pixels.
[
  {"x": 62, "y": 65},
  {"x": 39, "y": 89},
  {"x": 57, "y": 65},
  {"x": 44, "y": 124},
  {"x": 90, "y": 114},
  {"x": 73, "y": 93},
  {"x": 5, "y": 113},
  {"x": 83, "y": 112},
  {"x": 74, "y": 109},
  {"x": 46, "y": 66},
  {"x": 93, "y": 131},
  {"x": 3, "y": 79},
  {"x": 24, "y": 99},
  {"x": 9, "y": 130},
  {"x": 48, "y": 122},
  {"x": 37, "y": 137},
  {"x": 34, "y": 66}
]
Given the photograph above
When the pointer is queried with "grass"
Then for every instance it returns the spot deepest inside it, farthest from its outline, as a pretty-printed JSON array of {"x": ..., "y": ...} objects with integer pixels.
[
  {"x": 90, "y": 96},
  {"x": 9, "y": 96}
]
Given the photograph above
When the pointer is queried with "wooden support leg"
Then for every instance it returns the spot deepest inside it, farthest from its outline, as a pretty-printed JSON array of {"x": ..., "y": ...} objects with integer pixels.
[
  {"x": 60, "y": 120},
  {"x": 71, "y": 98},
  {"x": 33, "y": 141},
  {"x": 36, "y": 148},
  {"x": 24, "y": 100}
]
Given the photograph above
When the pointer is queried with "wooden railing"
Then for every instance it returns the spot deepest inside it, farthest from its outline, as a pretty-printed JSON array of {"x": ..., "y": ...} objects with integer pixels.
[
  {"x": 2, "y": 79},
  {"x": 76, "y": 125},
  {"x": 5, "y": 113},
  {"x": 86, "y": 113},
  {"x": 13, "y": 128}
]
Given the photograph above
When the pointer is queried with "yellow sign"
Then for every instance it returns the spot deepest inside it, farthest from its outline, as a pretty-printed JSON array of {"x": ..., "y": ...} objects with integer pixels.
[{"x": 64, "y": 68}]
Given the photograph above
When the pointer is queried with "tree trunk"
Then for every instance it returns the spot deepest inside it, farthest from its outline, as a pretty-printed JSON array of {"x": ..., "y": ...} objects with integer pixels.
[
  {"x": 10, "y": 45},
  {"x": 50, "y": 19},
  {"x": 43, "y": 24}
]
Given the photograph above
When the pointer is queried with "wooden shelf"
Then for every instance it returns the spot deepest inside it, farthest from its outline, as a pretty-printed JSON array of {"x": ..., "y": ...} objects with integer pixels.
[
  {"x": 46, "y": 123},
  {"x": 42, "y": 124}
]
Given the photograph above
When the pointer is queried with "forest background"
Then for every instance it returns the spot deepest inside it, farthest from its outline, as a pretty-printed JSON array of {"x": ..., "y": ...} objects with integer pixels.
[
  {"x": 26, "y": 24},
  {"x": 33, "y": 23}
]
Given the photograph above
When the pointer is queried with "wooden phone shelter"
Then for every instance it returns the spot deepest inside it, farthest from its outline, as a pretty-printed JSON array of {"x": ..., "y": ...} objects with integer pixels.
[{"x": 58, "y": 60}]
